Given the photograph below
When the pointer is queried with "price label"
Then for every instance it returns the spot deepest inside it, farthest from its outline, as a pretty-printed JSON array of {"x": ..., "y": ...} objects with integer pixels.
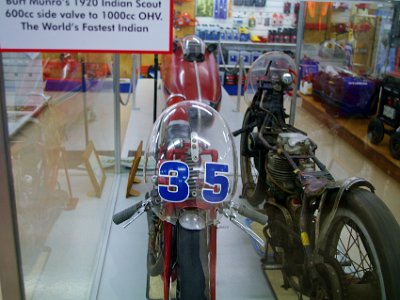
[{"x": 389, "y": 112}]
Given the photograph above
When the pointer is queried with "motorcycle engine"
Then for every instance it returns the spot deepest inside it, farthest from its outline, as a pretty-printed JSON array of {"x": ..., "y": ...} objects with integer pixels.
[{"x": 280, "y": 174}]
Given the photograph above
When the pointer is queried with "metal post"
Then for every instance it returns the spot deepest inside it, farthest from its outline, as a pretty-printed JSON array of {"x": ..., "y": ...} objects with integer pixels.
[
  {"x": 85, "y": 110},
  {"x": 135, "y": 62},
  {"x": 117, "y": 114},
  {"x": 299, "y": 43},
  {"x": 155, "y": 87},
  {"x": 239, "y": 84},
  {"x": 11, "y": 278}
]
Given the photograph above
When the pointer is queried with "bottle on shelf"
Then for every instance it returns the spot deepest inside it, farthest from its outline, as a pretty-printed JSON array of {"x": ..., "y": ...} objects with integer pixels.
[
  {"x": 246, "y": 57},
  {"x": 252, "y": 22}
]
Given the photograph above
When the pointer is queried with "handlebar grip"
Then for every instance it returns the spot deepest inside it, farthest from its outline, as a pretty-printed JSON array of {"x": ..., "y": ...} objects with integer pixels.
[
  {"x": 245, "y": 128},
  {"x": 239, "y": 131},
  {"x": 125, "y": 214},
  {"x": 253, "y": 214}
]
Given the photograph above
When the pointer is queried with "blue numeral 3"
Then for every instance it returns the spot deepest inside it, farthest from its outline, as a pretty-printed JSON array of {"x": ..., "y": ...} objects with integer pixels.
[{"x": 177, "y": 189}]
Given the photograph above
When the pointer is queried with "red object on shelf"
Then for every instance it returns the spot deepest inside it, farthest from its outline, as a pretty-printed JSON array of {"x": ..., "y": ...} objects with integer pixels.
[
  {"x": 394, "y": 74},
  {"x": 263, "y": 39},
  {"x": 71, "y": 69},
  {"x": 362, "y": 6},
  {"x": 316, "y": 26},
  {"x": 183, "y": 20}
]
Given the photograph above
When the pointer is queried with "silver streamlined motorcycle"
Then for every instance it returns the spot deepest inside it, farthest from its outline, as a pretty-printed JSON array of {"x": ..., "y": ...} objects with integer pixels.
[{"x": 331, "y": 239}]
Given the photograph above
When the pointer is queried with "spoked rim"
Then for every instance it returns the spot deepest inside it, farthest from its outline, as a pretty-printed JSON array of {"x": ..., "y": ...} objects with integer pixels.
[{"x": 351, "y": 246}]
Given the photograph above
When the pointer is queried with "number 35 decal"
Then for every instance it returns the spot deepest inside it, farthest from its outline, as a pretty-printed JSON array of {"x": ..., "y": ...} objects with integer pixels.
[{"x": 177, "y": 174}]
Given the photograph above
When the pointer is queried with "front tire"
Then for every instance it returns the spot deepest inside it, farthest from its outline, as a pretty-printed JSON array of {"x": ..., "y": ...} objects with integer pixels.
[
  {"x": 193, "y": 268},
  {"x": 363, "y": 237}
]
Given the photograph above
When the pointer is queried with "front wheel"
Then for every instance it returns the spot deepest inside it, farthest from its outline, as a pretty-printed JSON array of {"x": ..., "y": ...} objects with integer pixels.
[
  {"x": 363, "y": 237},
  {"x": 193, "y": 271}
]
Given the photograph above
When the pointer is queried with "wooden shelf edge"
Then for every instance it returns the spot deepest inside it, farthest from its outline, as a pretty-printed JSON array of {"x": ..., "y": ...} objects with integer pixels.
[{"x": 378, "y": 154}]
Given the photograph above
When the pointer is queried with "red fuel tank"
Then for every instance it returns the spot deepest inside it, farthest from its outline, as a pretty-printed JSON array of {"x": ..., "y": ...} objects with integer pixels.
[{"x": 191, "y": 73}]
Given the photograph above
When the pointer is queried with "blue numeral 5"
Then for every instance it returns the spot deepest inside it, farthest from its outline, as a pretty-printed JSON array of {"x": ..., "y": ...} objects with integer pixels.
[
  {"x": 214, "y": 178},
  {"x": 177, "y": 173}
]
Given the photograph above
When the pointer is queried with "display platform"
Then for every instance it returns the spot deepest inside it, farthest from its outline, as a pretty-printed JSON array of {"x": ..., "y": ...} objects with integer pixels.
[{"x": 354, "y": 132}]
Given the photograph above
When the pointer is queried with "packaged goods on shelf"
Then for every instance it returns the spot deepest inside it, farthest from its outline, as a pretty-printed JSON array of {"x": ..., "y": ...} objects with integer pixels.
[{"x": 346, "y": 94}]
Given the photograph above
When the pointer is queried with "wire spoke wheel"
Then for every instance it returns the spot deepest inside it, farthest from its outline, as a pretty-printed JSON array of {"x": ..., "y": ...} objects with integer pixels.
[
  {"x": 363, "y": 238},
  {"x": 356, "y": 257},
  {"x": 352, "y": 254}
]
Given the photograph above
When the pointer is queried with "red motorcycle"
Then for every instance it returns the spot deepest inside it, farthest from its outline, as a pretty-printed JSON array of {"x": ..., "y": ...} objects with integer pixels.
[
  {"x": 191, "y": 72},
  {"x": 190, "y": 174}
]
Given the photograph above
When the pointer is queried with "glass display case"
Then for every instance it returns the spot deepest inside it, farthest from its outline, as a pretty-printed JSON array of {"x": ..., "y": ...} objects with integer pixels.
[
  {"x": 348, "y": 52},
  {"x": 348, "y": 93},
  {"x": 61, "y": 125},
  {"x": 66, "y": 131}
]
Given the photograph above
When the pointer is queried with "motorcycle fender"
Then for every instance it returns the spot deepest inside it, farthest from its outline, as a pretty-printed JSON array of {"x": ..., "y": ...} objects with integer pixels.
[
  {"x": 350, "y": 183},
  {"x": 340, "y": 188},
  {"x": 192, "y": 220}
]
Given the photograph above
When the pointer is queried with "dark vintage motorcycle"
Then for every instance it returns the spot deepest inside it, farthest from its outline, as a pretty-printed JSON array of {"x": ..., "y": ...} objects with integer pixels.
[{"x": 331, "y": 239}]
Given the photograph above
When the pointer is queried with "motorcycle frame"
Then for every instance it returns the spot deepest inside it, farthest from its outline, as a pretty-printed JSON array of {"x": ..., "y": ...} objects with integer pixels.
[{"x": 168, "y": 226}]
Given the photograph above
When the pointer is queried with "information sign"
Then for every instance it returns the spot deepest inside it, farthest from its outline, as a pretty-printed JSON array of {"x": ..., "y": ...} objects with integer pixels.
[{"x": 143, "y": 26}]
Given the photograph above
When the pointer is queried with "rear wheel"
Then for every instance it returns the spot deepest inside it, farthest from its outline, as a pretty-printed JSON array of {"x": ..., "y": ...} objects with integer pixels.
[
  {"x": 193, "y": 271},
  {"x": 251, "y": 164},
  {"x": 363, "y": 237}
]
